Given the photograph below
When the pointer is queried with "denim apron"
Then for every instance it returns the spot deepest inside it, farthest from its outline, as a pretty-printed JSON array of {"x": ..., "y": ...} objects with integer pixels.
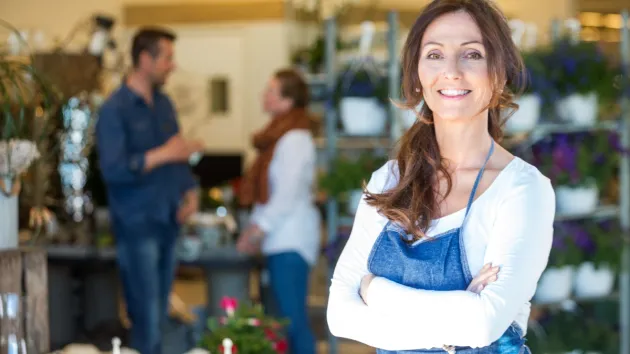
[{"x": 436, "y": 264}]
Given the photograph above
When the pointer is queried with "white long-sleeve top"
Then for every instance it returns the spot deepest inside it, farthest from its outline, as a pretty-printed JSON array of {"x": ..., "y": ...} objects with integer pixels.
[
  {"x": 509, "y": 225},
  {"x": 290, "y": 219}
]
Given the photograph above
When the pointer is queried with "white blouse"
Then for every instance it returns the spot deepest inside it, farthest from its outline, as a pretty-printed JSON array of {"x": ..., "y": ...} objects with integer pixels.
[
  {"x": 509, "y": 225},
  {"x": 290, "y": 219}
]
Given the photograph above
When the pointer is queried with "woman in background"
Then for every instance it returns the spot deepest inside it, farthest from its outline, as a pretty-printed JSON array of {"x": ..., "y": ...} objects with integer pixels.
[
  {"x": 285, "y": 223},
  {"x": 454, "y": 204}
]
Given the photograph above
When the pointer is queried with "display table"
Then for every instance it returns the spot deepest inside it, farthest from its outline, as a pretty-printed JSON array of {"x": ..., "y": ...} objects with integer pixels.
[{"x": 84, "y": 289}]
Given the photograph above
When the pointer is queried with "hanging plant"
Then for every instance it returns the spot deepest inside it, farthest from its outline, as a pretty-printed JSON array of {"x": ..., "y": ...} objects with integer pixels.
[{"x": 363, "y": 83}]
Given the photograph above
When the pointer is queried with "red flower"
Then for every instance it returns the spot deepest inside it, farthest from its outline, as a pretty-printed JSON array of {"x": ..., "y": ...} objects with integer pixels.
[
  {"x": 281, "y": 346},
  {"x": 270, "y": 334},
  {"x": 234, "y": 351},
  {"x": 229, "y": 304}
]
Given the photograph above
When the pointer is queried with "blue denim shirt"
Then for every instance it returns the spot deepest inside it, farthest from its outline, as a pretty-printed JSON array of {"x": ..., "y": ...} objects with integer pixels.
[{"x": 126, "y": 129}]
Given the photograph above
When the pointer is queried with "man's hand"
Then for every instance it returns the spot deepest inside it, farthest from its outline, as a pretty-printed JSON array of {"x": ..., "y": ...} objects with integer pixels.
[
  {"x": 487, "y": 274},
  {"x": 176, "y": 149},
  {"x": 190, "y": 205},
  {"x": 250, "y": 239}
]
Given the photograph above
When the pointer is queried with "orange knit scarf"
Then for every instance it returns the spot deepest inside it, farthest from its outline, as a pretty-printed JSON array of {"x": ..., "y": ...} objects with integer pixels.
[{"x": 255, "y": 187}]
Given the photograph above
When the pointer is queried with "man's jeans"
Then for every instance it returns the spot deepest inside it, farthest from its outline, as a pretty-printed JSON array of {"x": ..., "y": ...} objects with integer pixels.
[{"x": 146, "y": 259}]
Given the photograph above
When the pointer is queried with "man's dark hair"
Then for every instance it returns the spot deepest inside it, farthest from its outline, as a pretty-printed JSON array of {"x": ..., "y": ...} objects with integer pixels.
[{"x": 148, "y": 39}]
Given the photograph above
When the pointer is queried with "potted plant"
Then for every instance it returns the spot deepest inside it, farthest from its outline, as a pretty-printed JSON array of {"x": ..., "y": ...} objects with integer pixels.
[
  {"x": 361, "y": 96},
  {"x": 580, "y": 166},
  {"x": 247, "y": 329},
  {"x": 583, "y": 78},
  {"x": 26, "y": 99},
  {"x": 526, "y": 117},
  {"x": 556, "y": 283},
  {"x": 600, "y": 241},
  {"x": 344, "y": 182},
  {"x": 573, "y": 331}
]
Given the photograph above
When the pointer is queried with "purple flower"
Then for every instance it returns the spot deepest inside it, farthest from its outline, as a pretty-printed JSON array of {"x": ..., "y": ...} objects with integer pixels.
[
  {"x": 600, "y": 158},
  {"x": 583, "y": 240},
  {"x": 564, "y": 156},
  {"x": 570, "y": 64},
  {"x": 558, "y": 243},
  {"x": 615, "y": 141}
]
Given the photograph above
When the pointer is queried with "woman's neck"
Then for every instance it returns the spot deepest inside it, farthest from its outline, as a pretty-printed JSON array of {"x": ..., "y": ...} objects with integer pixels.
[{"x": 463, "y": 142}]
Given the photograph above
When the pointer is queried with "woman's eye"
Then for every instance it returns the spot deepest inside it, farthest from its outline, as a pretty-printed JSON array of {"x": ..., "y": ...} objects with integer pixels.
[
  {"x": 474, "y": 55},
  {"x": 433, "y": 56}
]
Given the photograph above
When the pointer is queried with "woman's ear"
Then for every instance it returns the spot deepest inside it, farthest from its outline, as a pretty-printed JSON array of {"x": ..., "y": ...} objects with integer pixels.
[{"x": 287, "y": 103}]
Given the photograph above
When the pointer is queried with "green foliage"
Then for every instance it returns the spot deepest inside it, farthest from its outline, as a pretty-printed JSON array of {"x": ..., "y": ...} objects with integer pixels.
[
  {"x": 607, "y": 240},
  {"x": 577, "y": 68},
  {"x": 596, "y": 241},
  {"x": 346, "y": 174},
  {"x": 565, "y": 331},
  {"x": 23, "y": 90},
  {"x": 579, "y": 159}
]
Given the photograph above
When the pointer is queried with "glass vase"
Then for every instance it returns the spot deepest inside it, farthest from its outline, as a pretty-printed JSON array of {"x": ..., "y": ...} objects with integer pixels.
[{"x": 13, "y": 318}]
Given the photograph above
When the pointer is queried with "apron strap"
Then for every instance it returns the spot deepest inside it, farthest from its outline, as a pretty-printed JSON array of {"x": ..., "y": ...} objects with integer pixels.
[{"x": 474, "y": 189}]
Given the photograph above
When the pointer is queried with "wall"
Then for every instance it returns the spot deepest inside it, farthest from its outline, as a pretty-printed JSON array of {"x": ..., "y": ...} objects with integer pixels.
[
  {"x": 247, "y": 54},
  {"x": 54, "y": 18}
]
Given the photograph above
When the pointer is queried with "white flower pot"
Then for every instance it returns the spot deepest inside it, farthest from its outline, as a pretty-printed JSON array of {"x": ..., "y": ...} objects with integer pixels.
[
  {"x": 578, "y": 109},
  {"x": 555, "y": 285},
  {"x": 591, "y": 282},
  {"x": 354, "y": 199},
  {"x": 576, "y": 200},
  {"x": 9, "y": 224},
  {"x": 362, "y": 116},
  {"x": 527, "y": 115}
]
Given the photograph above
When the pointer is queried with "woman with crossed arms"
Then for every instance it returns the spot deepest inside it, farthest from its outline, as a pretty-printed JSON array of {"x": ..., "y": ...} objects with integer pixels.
[{"x": 453, "y": 204}]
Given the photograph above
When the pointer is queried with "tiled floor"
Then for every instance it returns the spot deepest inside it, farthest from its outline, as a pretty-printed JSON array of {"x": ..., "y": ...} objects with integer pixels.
[{"x": 192, "y": 292}]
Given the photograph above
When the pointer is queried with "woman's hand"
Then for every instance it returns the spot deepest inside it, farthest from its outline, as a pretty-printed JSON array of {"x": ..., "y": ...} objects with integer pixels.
[
  {"x": 365, "y": 284},
  {"x": 487, "y": 274},
  {"x": 250, "y": 239}
]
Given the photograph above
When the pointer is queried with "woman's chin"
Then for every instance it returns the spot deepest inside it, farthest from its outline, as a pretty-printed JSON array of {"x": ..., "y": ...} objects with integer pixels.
[{"x": 455, "y": 115}]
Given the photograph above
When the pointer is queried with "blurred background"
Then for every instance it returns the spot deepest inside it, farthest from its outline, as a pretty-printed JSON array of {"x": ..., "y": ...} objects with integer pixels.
[{"x": 572, "y": 124}]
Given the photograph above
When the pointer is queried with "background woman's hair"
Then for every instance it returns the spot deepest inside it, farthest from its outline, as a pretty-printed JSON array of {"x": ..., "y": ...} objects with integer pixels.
[
  {"x": 293, "y": 86},
  {"x": 413, "y": 203}
]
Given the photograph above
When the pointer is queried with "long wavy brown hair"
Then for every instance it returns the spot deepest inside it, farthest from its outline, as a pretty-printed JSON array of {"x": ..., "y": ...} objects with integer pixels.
[{"x": 414, "y": 201}]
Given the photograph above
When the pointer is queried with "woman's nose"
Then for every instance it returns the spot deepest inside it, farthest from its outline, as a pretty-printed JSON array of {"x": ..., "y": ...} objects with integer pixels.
[{"x": 452, "y": 70}]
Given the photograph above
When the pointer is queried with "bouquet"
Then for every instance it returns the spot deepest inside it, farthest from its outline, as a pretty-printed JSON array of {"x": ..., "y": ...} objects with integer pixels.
[{"x": 249, "y": 331}]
